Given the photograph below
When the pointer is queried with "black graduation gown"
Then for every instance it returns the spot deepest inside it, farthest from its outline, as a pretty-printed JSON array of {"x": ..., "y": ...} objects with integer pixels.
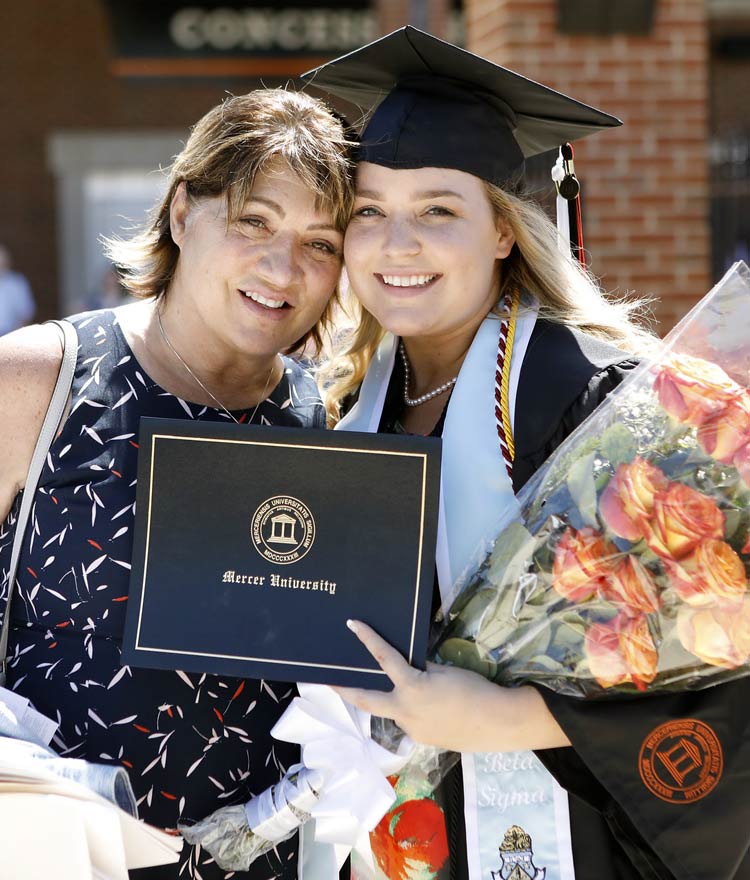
[
  {"x": 620, "y": 830},
  {"x": 567, "y": 375}
]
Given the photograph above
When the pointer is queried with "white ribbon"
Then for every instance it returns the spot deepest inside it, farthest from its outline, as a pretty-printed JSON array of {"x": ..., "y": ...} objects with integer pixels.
[{"x": 335, "y": 740}]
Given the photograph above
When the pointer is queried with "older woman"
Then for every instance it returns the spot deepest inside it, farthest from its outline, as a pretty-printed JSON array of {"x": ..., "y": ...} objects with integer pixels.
[
  {"x": 236, "y": 271},
  {"x": 474, "y": 327}
]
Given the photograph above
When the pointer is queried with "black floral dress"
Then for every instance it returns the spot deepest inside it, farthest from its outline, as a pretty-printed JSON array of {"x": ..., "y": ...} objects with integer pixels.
[{"x": 191, "y": 743}]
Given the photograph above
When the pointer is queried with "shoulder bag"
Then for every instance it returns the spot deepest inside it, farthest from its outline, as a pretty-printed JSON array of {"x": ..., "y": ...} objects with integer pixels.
[{"x": 50, "y": 426}]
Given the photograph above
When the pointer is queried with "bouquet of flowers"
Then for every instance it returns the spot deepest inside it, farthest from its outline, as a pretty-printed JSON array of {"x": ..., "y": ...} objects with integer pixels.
[{"x": 628, "y": 570}]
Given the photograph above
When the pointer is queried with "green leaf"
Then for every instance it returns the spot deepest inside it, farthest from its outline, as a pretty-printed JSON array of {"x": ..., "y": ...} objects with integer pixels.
[
  {"x": 508, "y": 557},
  {"x": 534, "y": 641},
  {"x": 568, "y": 638},
  {"x": 498, "y": 627},
  {"x": 601, "y": 479},
  {"x": 543, "y": 664},
  {"x": 618, "y": 445},
  {"x": 469, "y": 618},
  {"x": 465, "y": 654},
  {"x": 572, "y": 622},
  {"x": 500, "y": 622},
  {"x": 580, "y": 482},
  {"x": 732, "y": 521}
]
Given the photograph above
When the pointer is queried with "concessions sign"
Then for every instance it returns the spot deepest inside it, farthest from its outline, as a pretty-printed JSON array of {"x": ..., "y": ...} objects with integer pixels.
[{"x": 243, "y": 38}]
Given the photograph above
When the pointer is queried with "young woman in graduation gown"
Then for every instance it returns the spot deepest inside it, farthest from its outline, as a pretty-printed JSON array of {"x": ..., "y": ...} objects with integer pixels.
[{"x": 476, "y": 328}]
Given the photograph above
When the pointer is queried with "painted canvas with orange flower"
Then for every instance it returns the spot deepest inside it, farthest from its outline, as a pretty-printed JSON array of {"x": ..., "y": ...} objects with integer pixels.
[{"x": 628, "y": 570}]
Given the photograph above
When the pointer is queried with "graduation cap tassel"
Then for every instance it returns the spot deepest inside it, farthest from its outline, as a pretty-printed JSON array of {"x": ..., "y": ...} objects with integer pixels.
[{"x": 569, "y": 223}]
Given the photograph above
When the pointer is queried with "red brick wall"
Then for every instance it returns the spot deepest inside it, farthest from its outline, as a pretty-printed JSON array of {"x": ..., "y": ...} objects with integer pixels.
[
  {"x": 55, "y": 76},
  {"x": 394, "y": 14},
  {"x": 646, "y": 184}
]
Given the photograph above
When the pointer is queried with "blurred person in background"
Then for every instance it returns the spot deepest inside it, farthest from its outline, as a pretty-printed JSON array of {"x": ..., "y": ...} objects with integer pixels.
[
  {"x": 109, "y": 293},
  {"x": 16, "y": 300}
]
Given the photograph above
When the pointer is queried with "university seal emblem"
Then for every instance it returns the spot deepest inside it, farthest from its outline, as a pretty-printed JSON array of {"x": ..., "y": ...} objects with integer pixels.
[
  {"x": 282, "y": 529},
  {"x": 681, "y": 761}
]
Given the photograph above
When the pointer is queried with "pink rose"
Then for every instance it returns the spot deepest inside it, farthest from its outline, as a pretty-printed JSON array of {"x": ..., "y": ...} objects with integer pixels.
[
  {"x": 741, "y": 461},
  {"x": 725, "y": 432},
  {"x": 621, "y": 651},
  {"x": 719, "y": 636},
  {"x": 629, "y": 584},
  {"x": 692, "y": 389}
]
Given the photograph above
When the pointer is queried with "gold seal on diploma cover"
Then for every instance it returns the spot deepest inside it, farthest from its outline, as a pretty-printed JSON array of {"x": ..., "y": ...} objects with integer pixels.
[{"x": 282, "y": 529}]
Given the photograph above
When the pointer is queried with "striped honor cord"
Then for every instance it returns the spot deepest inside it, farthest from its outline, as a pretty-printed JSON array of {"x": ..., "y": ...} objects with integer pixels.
[{"x": 502, "y": 382}]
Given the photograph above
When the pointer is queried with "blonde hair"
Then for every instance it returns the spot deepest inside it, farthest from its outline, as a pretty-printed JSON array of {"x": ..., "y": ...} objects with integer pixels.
[
  {"x": 566, "y": 293},
  {"x": 225, "y": 152}
]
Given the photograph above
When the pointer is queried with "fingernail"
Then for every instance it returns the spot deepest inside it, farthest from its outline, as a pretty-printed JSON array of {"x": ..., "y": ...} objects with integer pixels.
[{"x": 352, "y": 625}]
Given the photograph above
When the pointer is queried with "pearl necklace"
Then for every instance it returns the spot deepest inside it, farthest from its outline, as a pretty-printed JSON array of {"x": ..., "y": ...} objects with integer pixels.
[
  {"x": 416, "y": 401},
  {"x": 212, "y": 396}
]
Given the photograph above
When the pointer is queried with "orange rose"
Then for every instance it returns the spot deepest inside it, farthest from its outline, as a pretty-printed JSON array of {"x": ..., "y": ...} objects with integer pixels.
[
  {"x": 722, "y": 435},
  {"x": 719, "y": 636},
  {"x": 582, "y": 559},
  {"x": 712, "y": 573},
  {"x": 639, "y": 651},
  {"x": 621, "y": 651},
  {"x": 631, "y": 585},
  {"x": 682, "y": 518},
  {"x": 692, "y": 389},
  {"x": 629, "y": 497}
]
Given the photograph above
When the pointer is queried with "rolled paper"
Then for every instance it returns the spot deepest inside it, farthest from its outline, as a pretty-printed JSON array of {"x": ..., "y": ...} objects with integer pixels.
[{"x": 281, "y": 809}]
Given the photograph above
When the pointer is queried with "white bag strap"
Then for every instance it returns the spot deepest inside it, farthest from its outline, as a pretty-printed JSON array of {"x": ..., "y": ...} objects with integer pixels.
[{"x": 52, "y": 420}]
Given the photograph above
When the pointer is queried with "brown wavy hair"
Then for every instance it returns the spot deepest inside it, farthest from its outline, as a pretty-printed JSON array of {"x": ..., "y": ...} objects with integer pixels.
[{"x": 225, "y": 152}]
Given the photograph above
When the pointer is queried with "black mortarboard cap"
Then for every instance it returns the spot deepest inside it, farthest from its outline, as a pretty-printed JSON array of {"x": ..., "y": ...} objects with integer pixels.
[{"x": 436, "y": 105}]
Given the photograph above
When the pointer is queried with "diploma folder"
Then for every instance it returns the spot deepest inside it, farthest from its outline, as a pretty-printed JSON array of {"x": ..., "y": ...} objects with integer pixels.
[{"x": 253, "y": 545}]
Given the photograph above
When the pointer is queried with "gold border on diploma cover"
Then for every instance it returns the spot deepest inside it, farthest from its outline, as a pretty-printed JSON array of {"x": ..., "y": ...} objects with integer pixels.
[{"x": 419, "y": 455}]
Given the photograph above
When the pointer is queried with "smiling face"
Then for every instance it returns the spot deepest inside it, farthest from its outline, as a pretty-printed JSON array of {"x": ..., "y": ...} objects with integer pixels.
[
  {"x": 259, "y": 282},
  {"x": 422, "y": 250}
]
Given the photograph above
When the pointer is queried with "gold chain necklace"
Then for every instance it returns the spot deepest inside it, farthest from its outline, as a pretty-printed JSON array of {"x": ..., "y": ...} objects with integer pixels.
[{"x": 206, "y": 390}]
